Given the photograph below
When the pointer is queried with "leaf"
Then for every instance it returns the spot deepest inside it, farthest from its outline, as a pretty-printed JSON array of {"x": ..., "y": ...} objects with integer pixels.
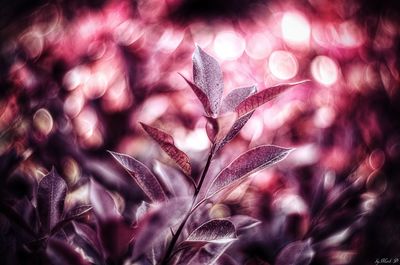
[
  {"x": 200, "y": 95},
  {"x": 296, "y": 253},
  {"x": 78, "y": 211},
  {"x": 103, "y": 204},
  {"x": 214, "y": 231},
  {"x": 167, "y": 144},
  {"x": 142, "y": 175},
  {"x": 243, "y": 222},
  {"x": 249, "y": 162},
  {"x": 210, "y": 254},
  {"x": 88, "y": 235},
  {"x": 142, "y": 210},
  {"x": 254, "y": 101},
  {"x": 157, "y": 221},
  {"x": 207, "y": 75},
  {"x": 50, "y": 199},
  {"x": 235, "y": 97},
  {"x": 61, "y": 253}
]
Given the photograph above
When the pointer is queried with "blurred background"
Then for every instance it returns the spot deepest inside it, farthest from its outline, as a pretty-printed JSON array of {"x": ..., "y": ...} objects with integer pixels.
[{"x": 76, "y": 77}]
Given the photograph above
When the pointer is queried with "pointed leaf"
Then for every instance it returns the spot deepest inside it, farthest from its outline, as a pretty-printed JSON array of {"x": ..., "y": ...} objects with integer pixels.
[
  {"x": 235, "y": 97},
  {"x": 207, "y": 75},
  {"x": 251, "y": 161},
  {"x": 201, "y": 95},
  {"x": 296, "y": 253},
  {"x": 157, "y": 221},
  {"x": 167, "y": 144},
  {"x": 103, "y": 204},
  {"x": 50, "y": 199},
  {"x": 88, "y": 235},
  {"x": 61, "y": 253},
  {"x": 258, "y": 99},
  {"x": 243, "y": 222},
  {"x": 214, "y": 231},
  {"x": 71, "y": 215},
  {"x": 142, "y": 175}
]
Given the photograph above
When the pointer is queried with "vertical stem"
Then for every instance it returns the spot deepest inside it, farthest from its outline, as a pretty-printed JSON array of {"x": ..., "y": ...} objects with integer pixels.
[{"x": 174, "y": 240}]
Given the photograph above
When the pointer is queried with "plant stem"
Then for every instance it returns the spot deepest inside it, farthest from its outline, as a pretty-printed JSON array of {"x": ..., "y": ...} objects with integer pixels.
[{"x": 174, "y": 240}]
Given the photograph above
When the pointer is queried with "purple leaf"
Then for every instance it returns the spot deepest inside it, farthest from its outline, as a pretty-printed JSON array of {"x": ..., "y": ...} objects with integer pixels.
[
  {"x": 157, "y": 221},
  {"x": 214, "y": 231},
  {"x": 59, "y": 252},
  {"x": 207, "y": 75},
  {"x": 167, "y": 144},
  {"x": 243, "y": 222},
  {"x": 142, "y": 210},
  {"x": 201, "y": 96},
  {"x": 50, "y": 199},
  {"x": 78, "y": 211},
  {"x": 103, "y": 204},
  {"x": 209, "y": 254},
  {"x": 88, "y": 235},
  {"x": 235, "y": 97},
  {"x": 249, "y": 162},
  {"x": 142, "y": 175},
  {"x": 251, "y": 103},
  {"x": 296, "y": 253}
]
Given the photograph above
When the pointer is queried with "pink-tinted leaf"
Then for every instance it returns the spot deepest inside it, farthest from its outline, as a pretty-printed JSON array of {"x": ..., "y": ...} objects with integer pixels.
[
  {"x": 235, "y": 97},
  {"x": 50, "y": 199},
  {"x": 214, "y": 231},
  {"x": 251, "y": 161},
  {"x": 142, "y": 210},
  {"x": 88, "y": 235},
  {"x": 157, "y": 221},
  {"x": 212, "y": 128},
  {"x": 207, "y": 75},
  {"x": 103, "y": 204},
  {"x": 296, "y": 253},
  {"x": 220, "y": 126},
  {"x": 254, "y": 101},
  {"x": 167, "y": 144},
  {"x": 60, "y": 252},
  {"x": 142, "y": 175},
  {"x": 201, "y": 95}
]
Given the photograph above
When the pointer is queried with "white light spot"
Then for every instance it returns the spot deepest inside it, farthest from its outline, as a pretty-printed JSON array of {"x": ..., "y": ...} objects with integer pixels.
[
  {"x": 283, "y": 65},
  {"x": 229, "y": 46},
  {"x": 295, "y": 29},
  {"x": 324, "y": 70}
]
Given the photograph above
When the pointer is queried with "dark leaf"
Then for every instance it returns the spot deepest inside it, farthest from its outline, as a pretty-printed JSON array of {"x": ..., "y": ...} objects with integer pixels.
[
  {"x": 142, "y": 175},
  {"x": 235, "y": 97},
  {"x": 214, "y": 231},
  {"x": 210, "y": 254},
  {"x": 50, "y": 199},
  {"x": 16, "y": 219},
  {"x": 167, "y": 144},
  {"x": 201, "y": 96},
  {"x": 254, "y": 101},
  {"x": 103, "y": 204},
  {"x": 207, "y": 75},
  {"x": 251, "y": 161},
  {"x": 78, "y": 211},
  {"x": 157, "y": 221},
  {"x": 61, "y": 253},
  {"x": 296, "y": 253},
  {"x": 89, "y": 235}
]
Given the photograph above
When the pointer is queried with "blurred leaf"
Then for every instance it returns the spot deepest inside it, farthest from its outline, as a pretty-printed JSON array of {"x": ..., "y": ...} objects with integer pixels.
[
  {"x": 254, "y": 101},
  {"x": 201, "y": 95},
  {"x": 142, "y": 175},
  {"x": 157, "y": 221},
  {"x": 142, "y": 210},
  {"x": 249, "y": 162},
  {"x": 167, "y": 144},
  {"x": 61, "y": 253},
  {"x": 214, "y": 231},
  {"x": 243, "y": 222},
  {"x": 78, "y": 211},
  {"x": 103, "y": 204},
  {"x": 235, "y": 97},
  {"x": 296, "y": 253},
  {"x": 50, "y": 199},
  {"x": 89, "y": 235},
  {"x": 210, "y": 254},
  {"x": 207, "y": 75}
]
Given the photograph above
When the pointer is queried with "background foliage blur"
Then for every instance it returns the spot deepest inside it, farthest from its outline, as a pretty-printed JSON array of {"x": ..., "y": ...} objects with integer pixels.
[{"x": 76, "y": 77}]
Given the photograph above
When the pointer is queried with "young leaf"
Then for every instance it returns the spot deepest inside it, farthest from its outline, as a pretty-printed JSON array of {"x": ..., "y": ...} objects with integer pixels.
[
  {"x": 251, "y": 161},
  {"x": 59, "y": 252},
  {"x": 296, "y": 253},
  {"x": 201, "y": 96},
  {"x": 235, "y": 97},
  {"x": 214, "y": 231},
  {"x": 50, "y": 199},
  {"x": 157, "y": 221},
  {"x": 167, "y": 144},
  {"x": 207, "y": 75},
  {"x": 142, "y": 175},
  {"x": 254, "y": 101}
]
